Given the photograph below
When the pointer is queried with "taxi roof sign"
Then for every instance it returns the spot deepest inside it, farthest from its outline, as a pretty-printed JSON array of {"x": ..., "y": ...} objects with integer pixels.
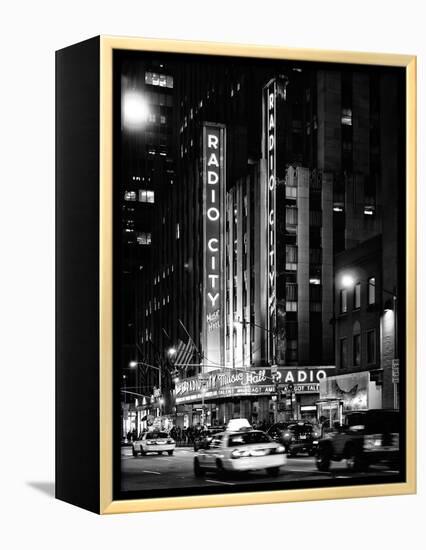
[{"x": 236, "y": 424}]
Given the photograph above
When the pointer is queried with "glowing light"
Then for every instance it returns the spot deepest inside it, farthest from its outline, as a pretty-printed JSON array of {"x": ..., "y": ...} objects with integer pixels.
[
  {"x": 347, "y": 281},
  {"x": 135, "y": 109},
  {"x": 172, "y": 351},
  {"x": 133, "y": 364}
]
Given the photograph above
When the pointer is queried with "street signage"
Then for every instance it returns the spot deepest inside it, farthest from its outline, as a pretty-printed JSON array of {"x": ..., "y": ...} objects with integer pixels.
[{"x": 395, "y": 371}]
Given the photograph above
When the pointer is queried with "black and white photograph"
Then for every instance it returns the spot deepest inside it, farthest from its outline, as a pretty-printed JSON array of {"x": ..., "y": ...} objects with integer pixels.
[{"x": 259, "y": 274}]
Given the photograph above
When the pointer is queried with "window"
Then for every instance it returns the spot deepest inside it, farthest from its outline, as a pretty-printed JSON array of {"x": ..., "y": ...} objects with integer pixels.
[
  {"x": 357, "y": 296},
  {"x": 130, "y": 195},
  {"x": 144, "y": 238},
  {"x": 347, "y": 117},
  {"x": 371, "y": 291},
  {"x": 343, "y": 300},
  {"x": 290, "y": 258},
  {"x": 291, "y": 306},
  {"x": 156, "y": 79},
  {"x": 146, "y": 196},
  {"x": 371, "y": 346},
  {"x": 356, "y": 351},
  {"x": 343, "y": 353},
  {"x": 177, "y": 231}
]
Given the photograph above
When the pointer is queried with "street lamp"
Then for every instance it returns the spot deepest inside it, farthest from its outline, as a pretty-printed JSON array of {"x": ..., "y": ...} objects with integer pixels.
[{"x": 135, "y": 109}]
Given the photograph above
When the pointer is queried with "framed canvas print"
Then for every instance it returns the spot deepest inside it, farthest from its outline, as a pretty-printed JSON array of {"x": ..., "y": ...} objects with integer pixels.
[{"x": 235, "y": 274}]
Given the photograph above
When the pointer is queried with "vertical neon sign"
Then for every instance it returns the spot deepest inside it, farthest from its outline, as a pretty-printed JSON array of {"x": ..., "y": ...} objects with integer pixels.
[
  {"x": 270, "y": 155},
  {"x": 213, "y": 224}
]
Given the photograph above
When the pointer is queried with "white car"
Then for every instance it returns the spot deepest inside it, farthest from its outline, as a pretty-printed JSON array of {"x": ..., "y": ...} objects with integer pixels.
[
  {"x": 243, "y": 450},
  {"x": 154, "y": 442}
]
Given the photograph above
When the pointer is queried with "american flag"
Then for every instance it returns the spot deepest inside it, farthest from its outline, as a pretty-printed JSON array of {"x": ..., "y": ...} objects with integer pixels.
[{"x": 185, "y": 350}]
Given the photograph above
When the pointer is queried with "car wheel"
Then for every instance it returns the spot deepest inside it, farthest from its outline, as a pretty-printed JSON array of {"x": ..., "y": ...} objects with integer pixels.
[
  {"x": 323, "y": 460},
  {"x": 134, "y": 452},
  {"x": 355, "y": 462},
  {"x": 143, "y": 453},
  {"x": 170, "y": 453},
  {"x": 198, "y": 471},
  {"x": 195, "y": 448},
  {"x": 220, "y": 468},
  {"x": 274, "y": 471}
]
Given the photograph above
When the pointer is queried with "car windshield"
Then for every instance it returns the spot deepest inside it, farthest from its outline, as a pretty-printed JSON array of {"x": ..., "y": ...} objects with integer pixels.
[
  {"x": 156, "y": 435},
  {"x": 382, "y": 422},
  {"x": 247, "y": 438}
]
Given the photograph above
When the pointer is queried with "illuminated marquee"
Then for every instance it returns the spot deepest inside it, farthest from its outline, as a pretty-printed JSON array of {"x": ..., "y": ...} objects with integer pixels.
[
  {"x": 213, "y": 193},
  {"x": 270, "y": 155}
]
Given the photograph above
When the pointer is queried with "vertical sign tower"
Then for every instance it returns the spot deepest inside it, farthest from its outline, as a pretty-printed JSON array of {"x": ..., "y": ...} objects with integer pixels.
[
  {"x": 269, "y": 110},
  {"x": 214, "y": 189}
]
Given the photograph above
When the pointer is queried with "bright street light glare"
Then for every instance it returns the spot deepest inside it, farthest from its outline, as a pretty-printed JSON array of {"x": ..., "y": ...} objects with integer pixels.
[
  {"x": 347, "y": 281},
  {"x": 135, "y": 109},
  {"x": 132, "y": 364},
  {"x": 172, "y": 351}
]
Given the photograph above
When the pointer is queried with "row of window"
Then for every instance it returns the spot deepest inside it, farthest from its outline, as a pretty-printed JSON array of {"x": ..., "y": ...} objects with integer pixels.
[
  {"x": 356, "y": 295},
  {"x": 370, "y": 342},
  {"x": 157, "y": 79},
  {"x": 143, "y": 196}
]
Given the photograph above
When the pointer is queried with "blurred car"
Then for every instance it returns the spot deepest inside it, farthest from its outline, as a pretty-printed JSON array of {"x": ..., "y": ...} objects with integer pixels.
[
  {"x": 154, "y": 442},
  {"x": 239, "y": 451},
  {"x": 297, "y": 437},
  {"x": 204, "y": 437},
  {"x": 366, "y": 437}
]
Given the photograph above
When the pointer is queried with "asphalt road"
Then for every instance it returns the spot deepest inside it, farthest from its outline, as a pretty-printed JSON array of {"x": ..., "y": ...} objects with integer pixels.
[{"x": 163, "y": 471}]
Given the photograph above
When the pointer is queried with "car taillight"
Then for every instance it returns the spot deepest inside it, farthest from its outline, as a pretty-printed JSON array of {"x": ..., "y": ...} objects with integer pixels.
[
  {"x": 280, "y": 449},
  {"x": 287, "y": 435},
  {"x": 238, "y": 453},
  {"x": 372, "y": 441}
]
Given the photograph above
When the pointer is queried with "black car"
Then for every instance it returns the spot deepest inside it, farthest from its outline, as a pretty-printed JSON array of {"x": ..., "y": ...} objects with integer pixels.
[
  {"x": 297, "y": 437},
  {"x": 202, "y": 438},
  {"x": 366, "y": 437}
]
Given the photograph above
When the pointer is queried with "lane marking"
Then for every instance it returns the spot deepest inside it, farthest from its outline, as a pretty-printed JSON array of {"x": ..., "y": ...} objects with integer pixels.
[
  {"x": 151, "y": 472},
  {"x": 221, "y": 482}
]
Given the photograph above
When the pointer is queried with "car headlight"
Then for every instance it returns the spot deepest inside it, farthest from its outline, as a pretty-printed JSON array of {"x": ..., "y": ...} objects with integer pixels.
[{"x": 280, "y": 449}]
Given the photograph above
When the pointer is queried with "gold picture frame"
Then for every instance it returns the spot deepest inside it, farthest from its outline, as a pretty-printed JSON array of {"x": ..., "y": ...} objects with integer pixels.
[{"x": 107, "y": 45}]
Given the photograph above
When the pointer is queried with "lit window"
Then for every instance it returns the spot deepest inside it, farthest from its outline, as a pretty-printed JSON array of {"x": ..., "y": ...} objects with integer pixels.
[
  {"x": 177, "y": 234},
  {"x": 357, "y": 296},
  {"x": 347, "y": 117},
  {"x": 156, "y": 79},
  {"x": 369, "y": 210},
  {"x": 314, "y": 281},
  {"x": 162, "y": 119},
  {"x": 144, "y": 238},
  {"x": 146, "y": 196},
  {"x": 291, "y": 306},
  {"x": 130, "y": 195},
  {"x": 371, "y": 291},
  {"x": 343, "y": 300}
]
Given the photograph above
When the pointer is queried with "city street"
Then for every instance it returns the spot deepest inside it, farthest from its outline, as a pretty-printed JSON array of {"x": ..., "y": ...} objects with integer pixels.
[{"x": 162, "y": 471}]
